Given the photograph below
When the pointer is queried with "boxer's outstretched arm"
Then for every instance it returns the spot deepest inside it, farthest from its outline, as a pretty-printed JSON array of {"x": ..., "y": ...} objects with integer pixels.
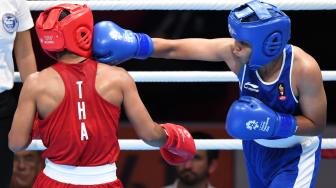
[{"x": 215, "y": 50}]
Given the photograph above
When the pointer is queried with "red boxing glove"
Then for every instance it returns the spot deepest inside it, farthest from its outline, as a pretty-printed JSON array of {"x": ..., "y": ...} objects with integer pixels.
[{"x": 180, "y": 146}]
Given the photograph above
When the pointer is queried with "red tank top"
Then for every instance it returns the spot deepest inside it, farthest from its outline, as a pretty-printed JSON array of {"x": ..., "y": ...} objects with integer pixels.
[{"x": 82, "y": 130}]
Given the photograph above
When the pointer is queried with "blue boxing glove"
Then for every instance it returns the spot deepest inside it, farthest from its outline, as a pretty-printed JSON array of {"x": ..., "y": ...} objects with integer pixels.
[
  {"x": 249, "y": 118},
  {"x": 113, "y": 45}
]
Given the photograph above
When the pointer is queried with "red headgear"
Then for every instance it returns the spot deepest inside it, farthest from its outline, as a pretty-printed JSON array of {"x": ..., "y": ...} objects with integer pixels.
[{"x": 73, "y": 33}]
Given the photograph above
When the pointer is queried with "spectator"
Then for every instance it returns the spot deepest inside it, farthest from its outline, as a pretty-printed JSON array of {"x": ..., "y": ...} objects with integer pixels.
[
  {"x": 27, "y": 165},
  {"x": 196, "y": 172}
]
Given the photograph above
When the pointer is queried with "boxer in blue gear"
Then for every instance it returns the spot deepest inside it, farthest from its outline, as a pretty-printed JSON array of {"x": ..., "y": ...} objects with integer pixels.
[
  {"x": 281, "y": 82},
  {"x": 293, "y": 163},
  {"x": 281, "y": 159}
]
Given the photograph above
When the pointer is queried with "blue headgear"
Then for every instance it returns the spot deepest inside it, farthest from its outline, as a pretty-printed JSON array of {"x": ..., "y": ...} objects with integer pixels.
[{"x": 264, "y": 27}]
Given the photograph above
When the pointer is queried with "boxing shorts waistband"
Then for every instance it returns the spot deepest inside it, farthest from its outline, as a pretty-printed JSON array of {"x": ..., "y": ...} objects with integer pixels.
[{"x": 81, "y": 175}]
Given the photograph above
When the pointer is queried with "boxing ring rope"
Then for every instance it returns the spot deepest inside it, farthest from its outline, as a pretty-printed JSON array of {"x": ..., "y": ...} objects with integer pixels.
[
  {"x": 185, "y": 5},
  {"x": 192, "y": 76},
  {"x": 187, "y": 76},
  {"x": 201, "y": 144}
]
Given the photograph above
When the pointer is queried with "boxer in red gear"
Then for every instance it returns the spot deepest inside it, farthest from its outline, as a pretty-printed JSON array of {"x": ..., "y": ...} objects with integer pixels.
[{"x": 78, "y": 102}]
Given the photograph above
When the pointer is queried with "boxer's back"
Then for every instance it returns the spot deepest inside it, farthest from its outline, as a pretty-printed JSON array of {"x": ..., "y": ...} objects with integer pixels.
[{"x": 78, "y": 105}]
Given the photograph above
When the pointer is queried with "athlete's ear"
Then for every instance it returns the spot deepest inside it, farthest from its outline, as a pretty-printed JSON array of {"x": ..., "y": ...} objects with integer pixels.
[
  {"x": 242, "y": 51},
  {"x": 240, "y": 47},
  {"x": 237, "y": 47}
]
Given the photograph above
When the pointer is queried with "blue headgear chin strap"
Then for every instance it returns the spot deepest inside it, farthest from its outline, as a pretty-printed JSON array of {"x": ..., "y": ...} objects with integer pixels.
[{"x": 267, "y": 33}]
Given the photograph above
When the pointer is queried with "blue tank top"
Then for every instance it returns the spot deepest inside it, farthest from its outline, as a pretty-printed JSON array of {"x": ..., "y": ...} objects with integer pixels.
[
  {"x": 277, "y": 94},
  {"x": 296, "y": 158}
]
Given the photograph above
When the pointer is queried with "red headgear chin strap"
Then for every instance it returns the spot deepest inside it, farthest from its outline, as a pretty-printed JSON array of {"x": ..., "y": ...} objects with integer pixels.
[{"x": 73, "y": 32}]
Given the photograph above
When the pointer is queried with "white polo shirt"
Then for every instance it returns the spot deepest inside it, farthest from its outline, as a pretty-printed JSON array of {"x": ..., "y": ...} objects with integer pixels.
[{"x": 15, "y": 17}]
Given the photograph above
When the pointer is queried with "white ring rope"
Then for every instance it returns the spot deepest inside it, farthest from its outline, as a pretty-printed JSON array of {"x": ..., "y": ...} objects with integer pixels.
[
  {"x": 186, "y": 5},
  {"x": 201, "y": 144},
  {"x": 192, "y": 76}
]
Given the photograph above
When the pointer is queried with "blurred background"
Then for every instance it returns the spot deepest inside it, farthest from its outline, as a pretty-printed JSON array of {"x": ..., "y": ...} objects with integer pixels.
[{"x": 203, "y": 106}]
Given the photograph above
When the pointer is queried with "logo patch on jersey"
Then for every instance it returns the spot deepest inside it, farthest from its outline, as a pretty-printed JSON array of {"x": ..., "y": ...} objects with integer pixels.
[
  {"x": 281, "y": 89},
  {"x": 10, "y": 23},
  {"x": 251, "y": 87}
]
